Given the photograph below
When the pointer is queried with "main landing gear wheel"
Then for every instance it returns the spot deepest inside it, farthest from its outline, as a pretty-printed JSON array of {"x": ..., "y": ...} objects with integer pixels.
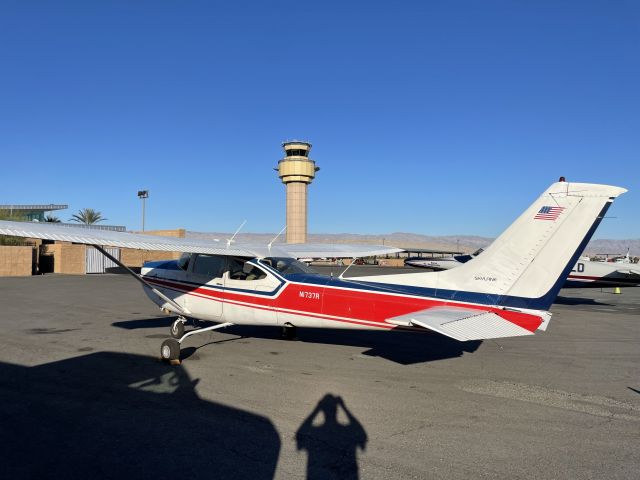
[
  {"x": 177, "y": 328},
  {"x": 170, "y": 350},
  {"x": 289, "y": 332}
]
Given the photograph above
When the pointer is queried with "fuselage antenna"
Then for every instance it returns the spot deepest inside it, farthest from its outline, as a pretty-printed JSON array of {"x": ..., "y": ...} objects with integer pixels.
[
  {"x": 276, "y": 237},
  {"x": 353, "y": 261},
  {"x": 230, "y": 240}
]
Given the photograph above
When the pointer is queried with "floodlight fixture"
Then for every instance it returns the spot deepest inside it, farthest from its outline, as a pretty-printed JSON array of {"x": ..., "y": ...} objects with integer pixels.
[{"x": 143, "y": 195}]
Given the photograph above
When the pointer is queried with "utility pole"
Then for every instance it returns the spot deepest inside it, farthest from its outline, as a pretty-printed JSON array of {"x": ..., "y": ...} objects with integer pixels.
[{"x": 143, "y": 195}]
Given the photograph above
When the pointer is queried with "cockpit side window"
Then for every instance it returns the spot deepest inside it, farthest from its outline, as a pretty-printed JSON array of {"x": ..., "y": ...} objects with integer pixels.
[
  {"x": 209, "y": 266},
  {"x": 241, "y": 269},
  {"x": 183, "y": 261}
]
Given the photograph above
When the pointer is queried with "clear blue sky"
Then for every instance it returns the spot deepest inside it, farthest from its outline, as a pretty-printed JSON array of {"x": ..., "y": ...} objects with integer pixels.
[{"x": 427, "y": 117}]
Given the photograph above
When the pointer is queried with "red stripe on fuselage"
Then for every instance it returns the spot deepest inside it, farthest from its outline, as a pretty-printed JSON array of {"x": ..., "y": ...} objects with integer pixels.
[
  {"x": 584, "y": 277},
  {"x": 353, "y": 306}
]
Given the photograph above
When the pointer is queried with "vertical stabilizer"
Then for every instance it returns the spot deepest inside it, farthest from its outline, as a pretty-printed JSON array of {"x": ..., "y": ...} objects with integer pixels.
[{"x": 527, "y": 264}]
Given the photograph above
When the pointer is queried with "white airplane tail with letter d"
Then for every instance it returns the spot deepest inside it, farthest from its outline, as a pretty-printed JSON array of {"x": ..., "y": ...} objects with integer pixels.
[{"x": 526, "y": 265}]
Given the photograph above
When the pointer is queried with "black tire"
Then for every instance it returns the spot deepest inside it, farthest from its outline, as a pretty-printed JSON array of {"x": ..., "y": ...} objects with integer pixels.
[
  {"x": 177, "y": 329},
  {"x": 170, "y": 350},
  {"x": 289, "y": 332}
]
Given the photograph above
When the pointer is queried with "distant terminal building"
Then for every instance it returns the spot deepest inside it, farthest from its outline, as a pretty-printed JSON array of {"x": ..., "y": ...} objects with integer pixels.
[
  {"x": 296, "y": 170},
  {"x": 37, "y": 213},
  {"x": 29, "y": 212}
]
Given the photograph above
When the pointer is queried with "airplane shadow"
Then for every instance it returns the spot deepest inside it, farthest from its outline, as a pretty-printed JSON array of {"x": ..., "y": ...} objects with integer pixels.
[
  {"x": 113, "y": 415},
  {"x": 189, "y": 351},
  {"x": 578, "y": 301},
  {"x": 155, "y": 322},
  {"x": 405, "y": 348}
]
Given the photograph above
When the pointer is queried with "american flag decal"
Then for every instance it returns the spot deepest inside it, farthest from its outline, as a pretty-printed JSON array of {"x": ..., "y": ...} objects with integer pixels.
[{"x": 548, "y": 213}]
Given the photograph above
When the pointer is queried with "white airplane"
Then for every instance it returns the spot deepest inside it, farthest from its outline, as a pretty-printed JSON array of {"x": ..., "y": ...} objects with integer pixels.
[
  {"x": 584, "y": 274},
  {"x": 441, "y": 263},
  {"x": 505, "y": 292},
  {"x": 588, "y": 274}
]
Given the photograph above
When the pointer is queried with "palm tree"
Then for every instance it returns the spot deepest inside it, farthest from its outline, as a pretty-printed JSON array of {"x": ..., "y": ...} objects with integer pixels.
[
  {"x": 51, "y": 219},
  {"x": 88, "y": 216}
]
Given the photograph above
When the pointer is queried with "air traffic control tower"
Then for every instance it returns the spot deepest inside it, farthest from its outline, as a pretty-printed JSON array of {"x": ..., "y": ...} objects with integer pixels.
[{"x": 296, "y": 171}]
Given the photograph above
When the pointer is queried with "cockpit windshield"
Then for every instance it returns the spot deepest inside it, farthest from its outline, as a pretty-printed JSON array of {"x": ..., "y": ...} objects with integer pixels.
[
  {"x": 183, "y": 261},
  {"x": 287, "y": 266}
]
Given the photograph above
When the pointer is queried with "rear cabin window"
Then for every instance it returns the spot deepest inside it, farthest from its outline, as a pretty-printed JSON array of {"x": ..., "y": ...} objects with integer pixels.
[{"x": 209, "y": 266}]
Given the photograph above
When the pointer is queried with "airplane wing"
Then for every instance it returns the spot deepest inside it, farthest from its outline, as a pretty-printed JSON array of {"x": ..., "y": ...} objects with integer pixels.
[
  {"x": 462, "y": 324},
  {"x": 89, "y": 236},
  {"x": 320, "y": 250}
]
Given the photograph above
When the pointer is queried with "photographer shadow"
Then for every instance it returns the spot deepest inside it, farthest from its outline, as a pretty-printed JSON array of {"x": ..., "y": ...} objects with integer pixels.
[{"x": 331, "y": 445}]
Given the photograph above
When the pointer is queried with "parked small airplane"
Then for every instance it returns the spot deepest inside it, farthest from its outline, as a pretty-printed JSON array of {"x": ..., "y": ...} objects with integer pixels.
[
  {"x": 505, "y": 292},
  {"x": 588, "y": 274},
  {"x": 584, "y": 274},
  {"x": 441, "y": 263}
]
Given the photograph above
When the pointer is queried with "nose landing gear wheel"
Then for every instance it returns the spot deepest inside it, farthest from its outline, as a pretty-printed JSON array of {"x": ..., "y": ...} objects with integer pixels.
[
  {"x": 177, "y": 328},
  {"x": 170, "y": 350}
]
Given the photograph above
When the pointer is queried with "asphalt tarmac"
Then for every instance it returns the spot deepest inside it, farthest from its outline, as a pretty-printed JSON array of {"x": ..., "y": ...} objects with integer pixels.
[{"x": 82, "y": 394}]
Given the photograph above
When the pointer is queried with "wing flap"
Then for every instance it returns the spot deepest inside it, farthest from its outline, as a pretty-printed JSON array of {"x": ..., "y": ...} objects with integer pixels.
[{"x": 462, "y": 324}]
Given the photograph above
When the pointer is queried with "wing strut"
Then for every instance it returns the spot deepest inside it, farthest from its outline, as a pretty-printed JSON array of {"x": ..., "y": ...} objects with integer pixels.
[{"x": 141, "y": 280}]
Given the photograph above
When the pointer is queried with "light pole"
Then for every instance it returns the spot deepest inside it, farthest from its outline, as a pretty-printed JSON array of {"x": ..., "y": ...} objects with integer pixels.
[{"x": 143, "y": 195}]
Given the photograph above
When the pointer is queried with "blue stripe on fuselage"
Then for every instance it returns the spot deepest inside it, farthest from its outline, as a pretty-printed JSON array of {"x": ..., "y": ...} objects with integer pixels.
[
  {"x": 454, "y": 295},
  {"x": 162, "y": 265}
]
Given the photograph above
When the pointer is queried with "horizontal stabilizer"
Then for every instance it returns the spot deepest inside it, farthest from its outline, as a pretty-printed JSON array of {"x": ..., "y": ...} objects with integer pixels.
[{"x": 462, "y": 324}]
